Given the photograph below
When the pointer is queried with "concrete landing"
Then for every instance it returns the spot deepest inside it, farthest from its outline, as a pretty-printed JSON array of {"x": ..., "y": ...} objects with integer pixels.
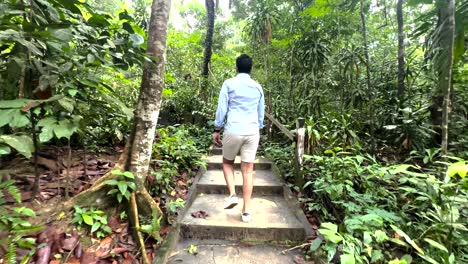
[
  {"x": 271, "y": 220},
  {"x": 216, "y": 163},
  {"x": 265, "y": 182},
  {"x": 228, "y": 252}
]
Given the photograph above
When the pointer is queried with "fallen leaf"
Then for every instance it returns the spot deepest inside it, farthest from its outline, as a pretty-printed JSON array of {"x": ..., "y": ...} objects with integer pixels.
[
  {"x": 200, "y": 214},
  {"x": 105, "y": 243},
  {"x": 70, "y": 243}
]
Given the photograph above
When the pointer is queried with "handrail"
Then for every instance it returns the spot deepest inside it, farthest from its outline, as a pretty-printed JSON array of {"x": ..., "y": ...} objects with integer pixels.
[
  {"x": 283, "y": 129},
  {"x": 300, "y": 140}
]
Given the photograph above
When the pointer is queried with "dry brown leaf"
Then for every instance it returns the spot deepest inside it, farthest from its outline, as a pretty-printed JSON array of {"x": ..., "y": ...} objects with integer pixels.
[{"x": 200, "y": 214}]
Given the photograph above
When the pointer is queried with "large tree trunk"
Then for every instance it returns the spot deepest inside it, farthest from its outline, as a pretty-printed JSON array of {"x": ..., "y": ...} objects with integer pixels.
[
  {"x": 401, "y": 51},
  {"x": 444, "y": 64},
  {"x": 209, "y": 37},
  {"x": 137, "y": 154}
]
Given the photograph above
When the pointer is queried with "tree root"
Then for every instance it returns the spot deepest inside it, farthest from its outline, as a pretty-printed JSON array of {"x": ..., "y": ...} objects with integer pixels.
[{"x": 141, "y": 203}]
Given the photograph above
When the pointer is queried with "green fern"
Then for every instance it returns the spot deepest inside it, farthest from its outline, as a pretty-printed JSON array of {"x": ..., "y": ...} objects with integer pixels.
[{"x": 11, "y": 254}]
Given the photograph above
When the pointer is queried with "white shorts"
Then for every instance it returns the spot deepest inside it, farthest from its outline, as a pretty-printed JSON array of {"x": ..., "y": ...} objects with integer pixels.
[{"x": 247, "y": 145}]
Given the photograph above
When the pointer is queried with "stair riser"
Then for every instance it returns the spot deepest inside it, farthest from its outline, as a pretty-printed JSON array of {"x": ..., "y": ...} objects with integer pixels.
[
  {"x": 242, "y": 233},
  {"x": 222, "y": 189},
  {"x": 219, "y": 166},
  {"x": 216, "y": 151}
]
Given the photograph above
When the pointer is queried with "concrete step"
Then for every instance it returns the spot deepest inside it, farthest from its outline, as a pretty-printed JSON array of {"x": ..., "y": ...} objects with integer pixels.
[
  {"x": 216, "y": 151},
  {"x": 272, "y": 220},
  {"x": 229, "y": 252},
  {"x": 216, "y": 163},
  {"x": 265, "y": 182}
]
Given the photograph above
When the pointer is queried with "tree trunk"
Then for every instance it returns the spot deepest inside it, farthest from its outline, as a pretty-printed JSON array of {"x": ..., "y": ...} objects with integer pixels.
[
  {"x": 209, "y": 37},
  {"x": 368, "y": 78},
  {"x": 401, "y": 51},
  {"x": 136, "y": 157},
  {"x": 444, "y": 64}
]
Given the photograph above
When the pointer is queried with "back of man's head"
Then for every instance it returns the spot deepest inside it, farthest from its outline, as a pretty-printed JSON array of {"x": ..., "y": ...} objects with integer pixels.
[{"x": 244, "y": 63}]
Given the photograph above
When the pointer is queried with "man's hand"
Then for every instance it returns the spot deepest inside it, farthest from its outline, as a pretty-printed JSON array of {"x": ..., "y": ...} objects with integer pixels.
[{"x": 217, "y": 139}]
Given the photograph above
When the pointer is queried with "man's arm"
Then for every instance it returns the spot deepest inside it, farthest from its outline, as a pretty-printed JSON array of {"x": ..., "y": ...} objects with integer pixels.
[
  {"x": 261, "y": 109},
  {"x": 221, "y": 111}
]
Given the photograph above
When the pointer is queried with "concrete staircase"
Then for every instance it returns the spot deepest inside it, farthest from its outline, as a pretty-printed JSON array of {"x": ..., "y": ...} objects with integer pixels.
[{"x": 276, "y": 216}]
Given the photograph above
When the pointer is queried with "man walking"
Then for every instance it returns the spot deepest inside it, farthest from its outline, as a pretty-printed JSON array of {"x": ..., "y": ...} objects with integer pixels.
[{"x": 241, "y": 102}]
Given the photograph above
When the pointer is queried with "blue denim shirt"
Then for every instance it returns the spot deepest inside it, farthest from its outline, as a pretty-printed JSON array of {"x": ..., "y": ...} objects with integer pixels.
[{"x": 241, "y": 99}]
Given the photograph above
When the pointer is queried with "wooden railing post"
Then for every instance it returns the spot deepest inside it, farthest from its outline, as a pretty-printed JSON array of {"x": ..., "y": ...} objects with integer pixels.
[{"x": 299, "y": 155}]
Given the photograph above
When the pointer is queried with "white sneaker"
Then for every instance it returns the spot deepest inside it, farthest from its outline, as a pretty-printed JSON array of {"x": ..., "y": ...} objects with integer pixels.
[
  {"x": 246, "y": 217},
  {"x": 231, "y": 201}
]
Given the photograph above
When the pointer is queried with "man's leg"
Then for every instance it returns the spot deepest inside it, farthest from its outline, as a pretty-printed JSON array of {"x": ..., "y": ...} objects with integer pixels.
[
  {"x": 231, "y": 145},
  {"x": 228, "y": 170},
  {"x": 248, "y": 153},
  {"x": 247, "y": 188}
]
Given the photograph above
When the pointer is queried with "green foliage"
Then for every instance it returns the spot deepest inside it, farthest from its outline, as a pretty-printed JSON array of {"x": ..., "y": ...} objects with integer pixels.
[
  {"x": 176, "y": 204},
  {"x": 123, "y": 185},
  {"x": 377, "y": 209},
  {"x": 175, "y": 145},
  {"x": 13, "y": 220},
  {"x": 94, "y": 220}
]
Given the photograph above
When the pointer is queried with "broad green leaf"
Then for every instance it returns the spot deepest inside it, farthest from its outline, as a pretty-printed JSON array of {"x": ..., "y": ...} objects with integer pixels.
[
  {"x": 95, "y": 226},
  {"x": 6, "y": 116},
  {"x": 63, "y": 34},
  {"x": 87, "y": 219},
  {"x": 380, "y": 236},
  {"x": 23, "y": 144},
  {"x": 315, "y": 244},
  {"x": 347, "y": 259},
  {"x": 132, "y": 185},
  {"x": 459, "y": 168},
  {"x": 367, "y": 238},
  {"x": 4, "y": 150},
  {"x": 64, "y": 128},
  {"x": 137, "y": 40},
  {"x": 111, "y": 182},
  {"x": 331, "y": 235},
  {"x": 67, "y": 103},
  {"x": 129, "y": 174},
  {"x": 47, "y": 133},
  {"x": 330, "y": 226},
  {"x": 376, "y": 255},
  {"x": 72, "y": 92},
  {"x": 19, "y": 119},
  {"x": 436, "y": 244},
  {"x": 48, "y": 121},
  {"x": 117, "y": 172},
  {"x": 122, "y": 187}
]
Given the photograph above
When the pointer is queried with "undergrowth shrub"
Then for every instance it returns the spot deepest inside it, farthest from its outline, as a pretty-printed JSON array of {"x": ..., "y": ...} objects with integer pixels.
[
  {"x": 14, "y": 223},
  {"x": 371, "y": 213}
]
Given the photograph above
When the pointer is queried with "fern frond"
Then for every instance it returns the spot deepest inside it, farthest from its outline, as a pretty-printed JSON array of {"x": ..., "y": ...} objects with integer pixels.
[
  {"x": 15, "y": 192},
  {"x": 11, "y": 254}
]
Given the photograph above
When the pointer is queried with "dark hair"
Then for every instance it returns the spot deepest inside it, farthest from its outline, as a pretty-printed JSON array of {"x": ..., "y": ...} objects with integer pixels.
[{"x": 244, "y": 63}]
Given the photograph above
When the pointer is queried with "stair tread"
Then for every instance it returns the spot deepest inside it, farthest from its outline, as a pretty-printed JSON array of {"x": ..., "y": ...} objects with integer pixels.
[
  {"x": 213, "y": 251},
  {"x": 219, "y": 159},
  {"x": 260, "y": 178},
  {"x": 268, "y": 212}
]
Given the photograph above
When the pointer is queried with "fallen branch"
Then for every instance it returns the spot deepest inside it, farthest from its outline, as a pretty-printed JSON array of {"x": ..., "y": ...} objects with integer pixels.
[{"x": 296, "y": 247}]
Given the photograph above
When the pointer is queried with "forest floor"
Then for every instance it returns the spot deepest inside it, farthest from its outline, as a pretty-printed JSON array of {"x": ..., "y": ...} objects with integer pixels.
[{"x": 59, "y": 240}]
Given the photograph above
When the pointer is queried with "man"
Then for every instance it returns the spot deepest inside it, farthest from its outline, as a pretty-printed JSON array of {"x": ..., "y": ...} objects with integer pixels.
[{"x": 241, "y": 100}]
